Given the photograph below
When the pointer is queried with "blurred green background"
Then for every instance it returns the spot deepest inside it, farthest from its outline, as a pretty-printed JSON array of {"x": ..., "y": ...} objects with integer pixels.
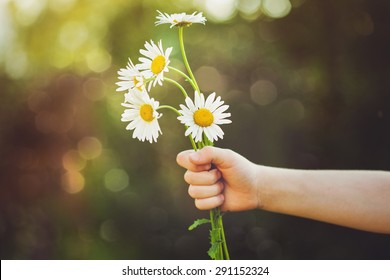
[{"x": 307, "y": 82}]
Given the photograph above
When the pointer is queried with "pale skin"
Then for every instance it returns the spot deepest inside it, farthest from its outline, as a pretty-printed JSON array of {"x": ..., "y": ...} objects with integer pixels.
[{"x": 355, "y": 199}]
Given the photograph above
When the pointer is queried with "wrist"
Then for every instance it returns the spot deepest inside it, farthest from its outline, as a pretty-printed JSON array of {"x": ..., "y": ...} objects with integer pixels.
[
  {"x": 281, "y": 190},
  {"x": 268, "y": 188},
  {"x": 262, "y": 186}
]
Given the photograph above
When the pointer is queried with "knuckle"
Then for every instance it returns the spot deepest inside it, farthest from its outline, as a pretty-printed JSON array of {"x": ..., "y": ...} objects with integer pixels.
[{"x": 201, "y": 168}]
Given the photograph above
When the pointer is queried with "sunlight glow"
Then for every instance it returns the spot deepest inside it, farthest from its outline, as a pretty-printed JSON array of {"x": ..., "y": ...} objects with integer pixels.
[
  {"x": 220, "y": 10},
  {"x": 276, "y": 8},
  {"x": 249, "y": 7}
]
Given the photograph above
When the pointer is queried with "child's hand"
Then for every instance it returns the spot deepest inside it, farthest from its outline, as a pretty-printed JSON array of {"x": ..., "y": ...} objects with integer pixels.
[{"x": 220, "y": 177}]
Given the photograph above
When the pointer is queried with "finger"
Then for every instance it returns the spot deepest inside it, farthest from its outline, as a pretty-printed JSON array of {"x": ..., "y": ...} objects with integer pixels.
[
  {"x": 212, "y": 155},
  {"x": 202, "y": 178},
  {"x": 199, "y": 192},
  {"x": 209, "y": 203},
  {"x": 183, "y": 159}
]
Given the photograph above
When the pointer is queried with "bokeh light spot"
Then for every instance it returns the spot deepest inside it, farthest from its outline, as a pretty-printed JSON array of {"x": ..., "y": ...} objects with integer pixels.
[
  {"x": 16, "y": 62},
  {"x": 263, "y": 92},
  {"x": 109, "y": 231},
  {"x": 276, "y": 8},
  {"x": 72, "y": 182},
  {"x": 89, "y": 147},
  {"x": 28, "y": 11},
  {"x": 220, "y": 10},
  {"x": 72, "y": 161},
  {"x": 98, "y": 60},
  {"x": 116, "y": 180},
  {"x": 72, "y": 35},
  {"x": 249, "y": 7}
]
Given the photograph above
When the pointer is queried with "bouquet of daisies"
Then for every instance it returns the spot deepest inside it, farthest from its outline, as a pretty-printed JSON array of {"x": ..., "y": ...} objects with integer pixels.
[{"x": 201, "y": 115}]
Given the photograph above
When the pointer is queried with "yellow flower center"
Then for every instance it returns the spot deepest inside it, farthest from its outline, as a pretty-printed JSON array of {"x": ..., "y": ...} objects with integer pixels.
[
  {"x": 181, "y": 23},
  {"x": 203, "y": 117},
  {"x": 146, "y": 112},
  {"x": 158, "y": 64},
  {"x": 136, "y": 82}
]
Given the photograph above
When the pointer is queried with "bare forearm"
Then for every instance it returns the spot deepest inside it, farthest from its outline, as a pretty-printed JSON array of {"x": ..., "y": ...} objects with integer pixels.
[{"x": 357, "y": 199}]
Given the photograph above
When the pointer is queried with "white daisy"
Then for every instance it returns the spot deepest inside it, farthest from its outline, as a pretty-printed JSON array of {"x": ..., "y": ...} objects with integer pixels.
[
  {"x": 181, "y": 19},
  {"x": 155, "y": 63},
  {"x": 204, "y": 117},
  {"x": 143, "y": 117},
  {"x": 129, "y": 96},
  {"x": 131, "y": 78}
]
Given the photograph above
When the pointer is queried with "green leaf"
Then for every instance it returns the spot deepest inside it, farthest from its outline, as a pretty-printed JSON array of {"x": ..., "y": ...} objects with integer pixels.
[
  {"x": 215, "y": 234},
  {"x": 213, "y": 251},
  {"x": 215, "y": 240},
  {"x": 197, "y": 223}
]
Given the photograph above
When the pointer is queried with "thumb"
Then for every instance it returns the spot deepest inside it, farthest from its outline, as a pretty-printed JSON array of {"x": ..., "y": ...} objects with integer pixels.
[{"x": 212, "y": 155}]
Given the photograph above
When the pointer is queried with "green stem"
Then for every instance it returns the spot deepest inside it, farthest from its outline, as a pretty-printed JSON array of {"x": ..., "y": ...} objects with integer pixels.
[
  {"x": 184, "y": 75},
  {"x": 213, "y": 229},
  {"x": 183, "y": 52},
  {"x": 193, "y": 143},
  {"x": 218, "y": 222},
  {"x": 224, "y": 244},
  {"x": 178, "y": 85},
  {"x": 170, "y": 108},
  {"x": 218, "y": 225}
]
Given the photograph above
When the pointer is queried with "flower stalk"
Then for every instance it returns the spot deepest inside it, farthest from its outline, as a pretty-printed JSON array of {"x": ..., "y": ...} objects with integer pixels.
[
  {"x": 201, "y": 116},
  {"x": 185, "y": 60},
  {"x": 184, "y": 75},
  {"x": 178, "y": 85}
]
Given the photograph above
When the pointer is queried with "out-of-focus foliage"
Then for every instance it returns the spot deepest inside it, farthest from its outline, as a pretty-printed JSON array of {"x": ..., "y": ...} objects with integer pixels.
[{"x": 308, "y": 85}]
